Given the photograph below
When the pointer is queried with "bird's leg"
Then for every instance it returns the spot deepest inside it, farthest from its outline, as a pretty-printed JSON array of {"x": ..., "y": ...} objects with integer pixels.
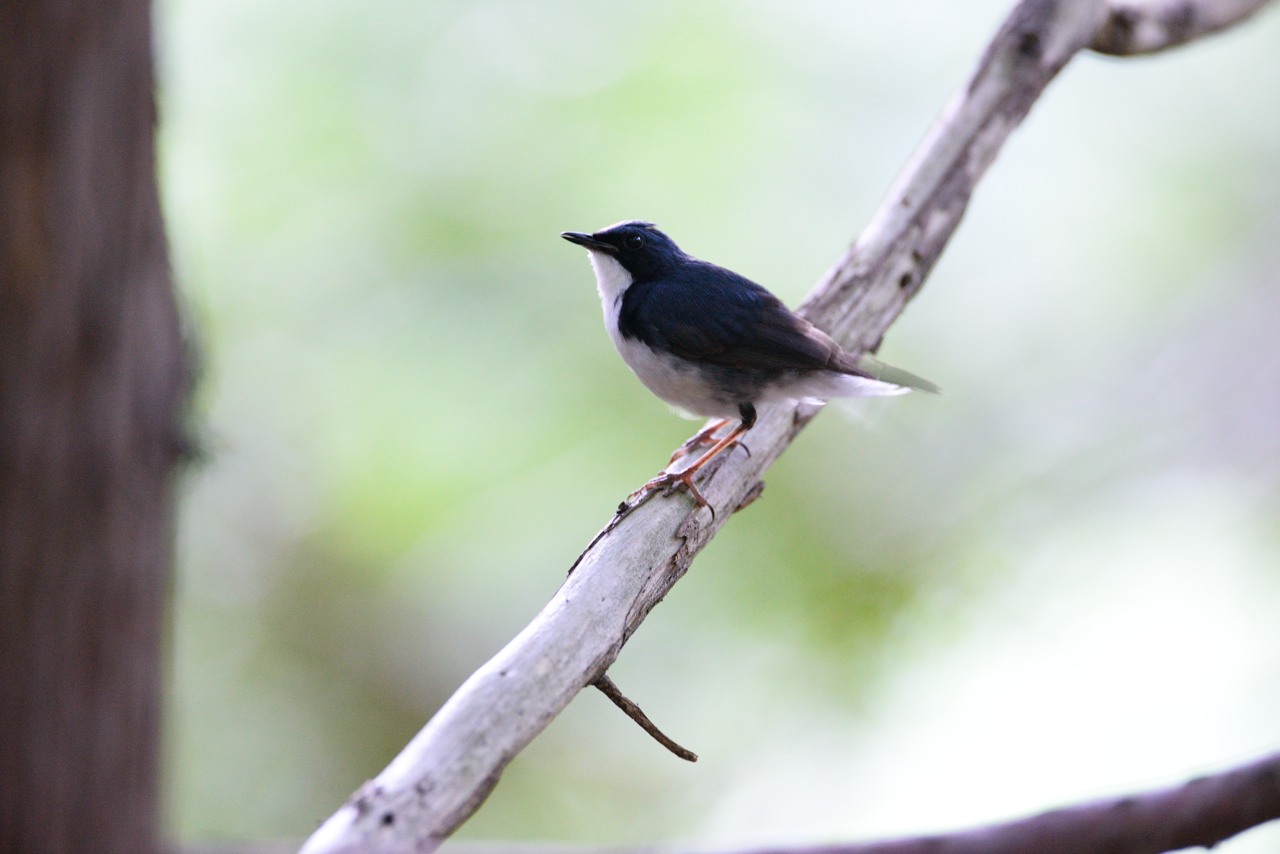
[
  {"x": 671, "y": 478},
  {"x": 666, "y": 478},
  {"x": 702, "y": 437}
]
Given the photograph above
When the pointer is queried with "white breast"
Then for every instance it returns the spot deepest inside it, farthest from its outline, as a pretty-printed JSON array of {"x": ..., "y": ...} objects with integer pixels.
[{"x": 670, "y": 378}]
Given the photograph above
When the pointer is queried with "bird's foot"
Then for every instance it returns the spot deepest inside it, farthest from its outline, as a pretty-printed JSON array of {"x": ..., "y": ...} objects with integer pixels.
[
  {"x": 670, "y": 480},
  {"x": 705, "y": 436}
]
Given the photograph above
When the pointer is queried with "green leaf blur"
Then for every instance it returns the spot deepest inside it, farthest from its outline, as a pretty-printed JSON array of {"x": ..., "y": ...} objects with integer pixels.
[{"x": 1058, "y": 578}]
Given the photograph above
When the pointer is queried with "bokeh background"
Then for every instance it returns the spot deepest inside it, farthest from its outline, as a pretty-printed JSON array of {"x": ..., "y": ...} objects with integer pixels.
[{"x": 1057, "y": 581}]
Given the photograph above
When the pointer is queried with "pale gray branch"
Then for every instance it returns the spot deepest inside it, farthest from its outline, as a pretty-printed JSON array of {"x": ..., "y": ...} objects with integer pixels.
[
  {"x": 448, "y": 769},
  {"x": 1146, "y": 26}
]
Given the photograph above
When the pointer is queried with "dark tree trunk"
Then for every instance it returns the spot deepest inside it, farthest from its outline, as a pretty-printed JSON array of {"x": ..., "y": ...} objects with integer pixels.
[{"x": 92, "y": 382}]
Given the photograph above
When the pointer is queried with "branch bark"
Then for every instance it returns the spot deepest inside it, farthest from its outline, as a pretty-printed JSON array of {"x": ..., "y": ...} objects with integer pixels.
[
  {"x": 448, "y": 769},
  {"x": 1136, "y": 27}
]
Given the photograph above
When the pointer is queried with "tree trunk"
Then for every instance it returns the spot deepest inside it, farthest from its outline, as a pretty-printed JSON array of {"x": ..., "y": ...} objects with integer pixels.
[{"x": 93, "y": 376}]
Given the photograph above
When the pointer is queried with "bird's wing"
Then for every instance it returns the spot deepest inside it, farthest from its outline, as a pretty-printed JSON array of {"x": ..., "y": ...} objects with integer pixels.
[{"x": 712, "y": 315}]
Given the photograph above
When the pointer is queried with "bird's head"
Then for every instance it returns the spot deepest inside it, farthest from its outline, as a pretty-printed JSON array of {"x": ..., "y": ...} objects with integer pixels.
[{"x": 638, "y": 246}]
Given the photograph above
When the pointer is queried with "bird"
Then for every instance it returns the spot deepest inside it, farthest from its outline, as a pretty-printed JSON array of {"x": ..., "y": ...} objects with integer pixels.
[{"x": 714, "y": 344}]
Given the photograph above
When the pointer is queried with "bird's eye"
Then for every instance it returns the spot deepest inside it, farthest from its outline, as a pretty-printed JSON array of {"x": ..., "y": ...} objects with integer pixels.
[{"x": 633, "y": 241}]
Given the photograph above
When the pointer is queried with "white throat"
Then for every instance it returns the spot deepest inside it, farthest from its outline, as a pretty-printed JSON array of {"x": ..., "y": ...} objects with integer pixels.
[{"x": 611, "y": 280}]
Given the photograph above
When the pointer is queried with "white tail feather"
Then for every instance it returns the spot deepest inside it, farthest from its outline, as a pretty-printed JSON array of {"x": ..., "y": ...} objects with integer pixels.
[{"x": 821, "y": 387}]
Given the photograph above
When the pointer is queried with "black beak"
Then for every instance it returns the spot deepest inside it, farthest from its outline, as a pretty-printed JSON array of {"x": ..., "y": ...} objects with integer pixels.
[{"x": 588, "y": 241}]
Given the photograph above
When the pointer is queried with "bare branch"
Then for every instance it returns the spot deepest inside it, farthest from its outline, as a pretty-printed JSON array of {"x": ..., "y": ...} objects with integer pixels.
[
  {"x": 447, "y": 770},
  {"x": 1146, "y": 26},
  {"x": 1201, "y": 812}
]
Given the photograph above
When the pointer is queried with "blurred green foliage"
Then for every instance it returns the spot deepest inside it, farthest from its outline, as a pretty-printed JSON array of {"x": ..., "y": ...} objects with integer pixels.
[{"x": 1057, "y": 579}]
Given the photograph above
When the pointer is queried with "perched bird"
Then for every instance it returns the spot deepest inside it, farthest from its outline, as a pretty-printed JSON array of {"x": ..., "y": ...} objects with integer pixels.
[{"x": 715, "y": 344}]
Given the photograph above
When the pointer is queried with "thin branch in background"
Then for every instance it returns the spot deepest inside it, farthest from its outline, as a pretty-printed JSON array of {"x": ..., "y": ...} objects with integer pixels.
[
  {"x": 1199, "y": 813},
  {"x": 443, "y": 775}
]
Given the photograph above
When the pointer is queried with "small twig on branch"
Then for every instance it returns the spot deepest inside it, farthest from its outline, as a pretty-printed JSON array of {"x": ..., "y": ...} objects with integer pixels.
[
  {"x": 443, "y": 775},
  {"x": 631, "y": 710}
]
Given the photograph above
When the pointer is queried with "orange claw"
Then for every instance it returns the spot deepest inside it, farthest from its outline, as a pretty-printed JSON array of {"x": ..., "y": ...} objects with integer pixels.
[
  {"x": 667, "y": 479},
  {"x": 674, "y": 478}
]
